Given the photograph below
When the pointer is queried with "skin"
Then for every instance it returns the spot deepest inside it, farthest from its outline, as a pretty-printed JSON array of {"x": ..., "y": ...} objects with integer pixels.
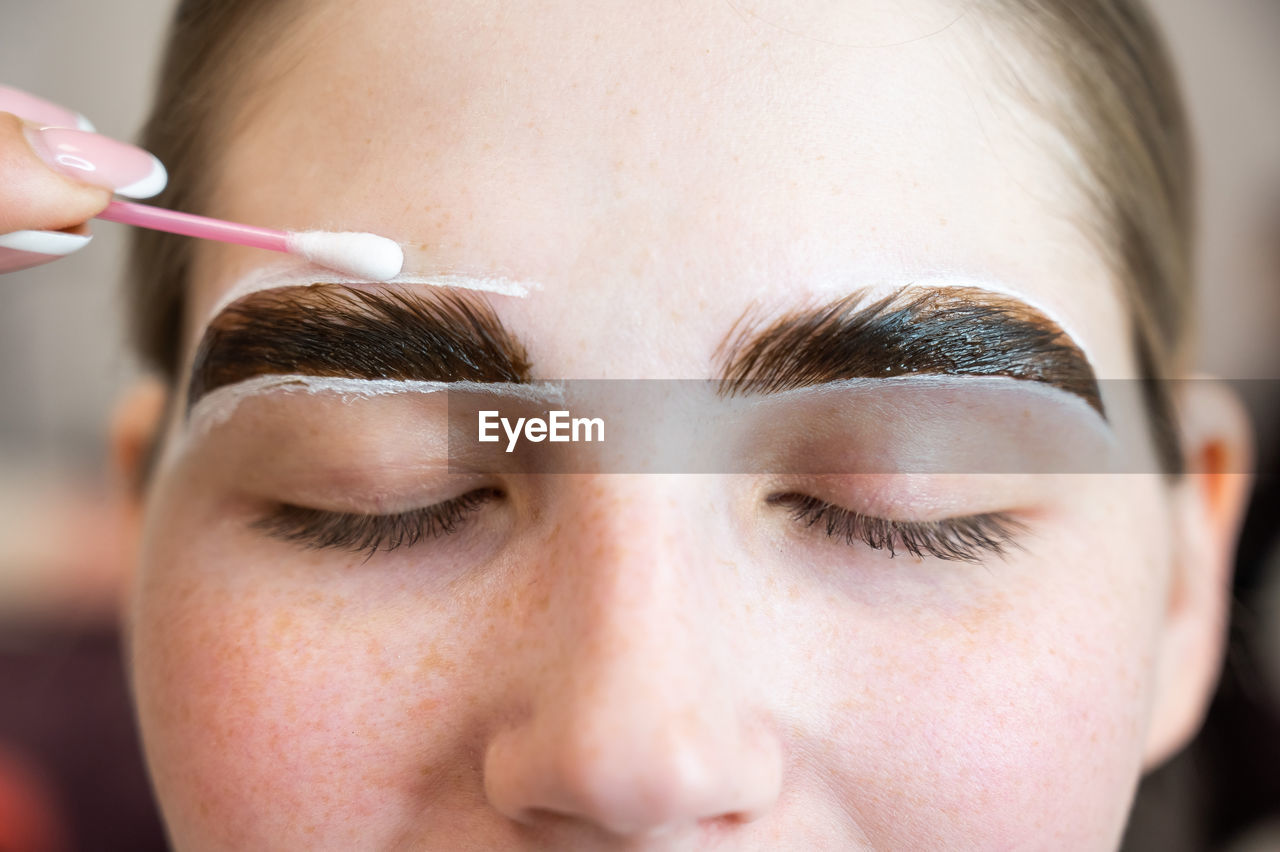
[
  {"x": 657, "y": 662},
  {"x": 33, "y": 196}
]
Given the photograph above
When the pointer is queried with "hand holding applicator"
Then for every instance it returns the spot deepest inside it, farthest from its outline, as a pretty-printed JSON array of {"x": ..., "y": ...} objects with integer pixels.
[{"x": 55, "y": 172}]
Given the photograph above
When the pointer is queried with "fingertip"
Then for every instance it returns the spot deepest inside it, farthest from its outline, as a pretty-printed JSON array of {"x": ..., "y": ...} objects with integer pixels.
[
  {"x": 34, "y": 196},
  {"x": 25, "y": 249},
  {"x": 151, "y": 185}
]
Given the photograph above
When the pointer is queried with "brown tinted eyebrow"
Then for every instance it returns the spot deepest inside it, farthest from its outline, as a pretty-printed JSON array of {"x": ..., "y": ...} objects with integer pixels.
[
  {"x": 959, "y": 331},
  {"x": 350, "y": 332}
]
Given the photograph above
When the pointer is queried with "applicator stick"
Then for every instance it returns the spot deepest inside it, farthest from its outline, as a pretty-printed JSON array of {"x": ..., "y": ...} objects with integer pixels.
[{"x": 358, "y": 254}]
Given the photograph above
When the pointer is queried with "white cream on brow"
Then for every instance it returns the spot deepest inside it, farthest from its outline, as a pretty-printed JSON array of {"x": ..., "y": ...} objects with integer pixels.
[
  {"x": 215, "y": 407},
  {"x": 218, "y": 405},
  {"x": 291, "y": 275},
  {"x": 878, "y": 283}
]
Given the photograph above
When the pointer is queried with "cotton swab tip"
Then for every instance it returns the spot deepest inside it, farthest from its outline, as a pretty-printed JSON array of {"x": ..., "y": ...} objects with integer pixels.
[{"x": 360, "y": 255}]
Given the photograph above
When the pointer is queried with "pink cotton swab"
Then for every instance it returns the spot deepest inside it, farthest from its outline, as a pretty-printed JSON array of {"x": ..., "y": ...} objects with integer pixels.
[{"x": 359, "y": 255}]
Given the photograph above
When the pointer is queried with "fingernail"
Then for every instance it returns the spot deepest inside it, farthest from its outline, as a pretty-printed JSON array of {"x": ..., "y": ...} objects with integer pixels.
[
  {"x": 99, "y": 160},
  {"x": 24, "y": 249},
  {"x": 40, "y": 111}
]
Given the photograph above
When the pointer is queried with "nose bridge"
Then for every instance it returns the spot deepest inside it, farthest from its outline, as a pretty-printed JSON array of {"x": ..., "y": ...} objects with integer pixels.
[
  {"x": 633, "y": 608},
  {"x": 628, "y": 559},
  {"x": 635, "y": 724}
]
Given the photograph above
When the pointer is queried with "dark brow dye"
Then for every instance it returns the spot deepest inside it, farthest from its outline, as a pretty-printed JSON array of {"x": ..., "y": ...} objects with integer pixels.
[
  {"x": 335, "y": 330},
  {"x": 957, "y": 331}
]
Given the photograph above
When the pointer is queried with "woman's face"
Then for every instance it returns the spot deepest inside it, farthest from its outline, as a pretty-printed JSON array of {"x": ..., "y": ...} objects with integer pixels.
[{"x": 616, "y": 658}]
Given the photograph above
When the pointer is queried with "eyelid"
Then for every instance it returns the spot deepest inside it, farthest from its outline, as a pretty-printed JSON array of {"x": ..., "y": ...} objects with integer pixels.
[
  {"x": 319, "y": 529},
  {"x": 962, "y": 538}
]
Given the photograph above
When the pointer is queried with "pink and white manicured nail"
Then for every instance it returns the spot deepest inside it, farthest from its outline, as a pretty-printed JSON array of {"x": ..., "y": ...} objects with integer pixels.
[
  {"x": 24, "y": 249},
  {"x": 99, "y": 160},
  {"x": 40, "y": 111}
]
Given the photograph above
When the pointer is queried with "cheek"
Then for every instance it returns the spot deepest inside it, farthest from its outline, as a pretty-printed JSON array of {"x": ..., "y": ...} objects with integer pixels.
[
  {"x": 996, "y": 708},
  {"x": 1011, "y": 720},
  {"x": 277, "y": 706}
]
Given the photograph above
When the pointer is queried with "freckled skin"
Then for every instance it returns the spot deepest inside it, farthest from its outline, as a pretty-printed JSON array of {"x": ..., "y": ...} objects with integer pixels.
[{"x": 649, "y": 662}]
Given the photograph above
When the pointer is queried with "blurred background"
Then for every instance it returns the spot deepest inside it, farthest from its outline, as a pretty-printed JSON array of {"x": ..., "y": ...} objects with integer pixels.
[{"x": 70, "y": 774}]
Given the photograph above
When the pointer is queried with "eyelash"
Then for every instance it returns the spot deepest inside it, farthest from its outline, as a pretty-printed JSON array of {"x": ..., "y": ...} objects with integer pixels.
[
  {"x": 962, "y": 539},
  {"x": 317, "y": 529}
]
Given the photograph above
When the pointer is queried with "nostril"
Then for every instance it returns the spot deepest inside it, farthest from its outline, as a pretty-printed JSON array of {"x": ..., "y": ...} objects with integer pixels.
[
  {"x": 626, "y": 787},
  {"x": 729, "y": 820}
]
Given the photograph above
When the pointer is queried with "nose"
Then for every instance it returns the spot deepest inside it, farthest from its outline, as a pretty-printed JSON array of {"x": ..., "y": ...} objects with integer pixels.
[{"x": 637, "y": 716}]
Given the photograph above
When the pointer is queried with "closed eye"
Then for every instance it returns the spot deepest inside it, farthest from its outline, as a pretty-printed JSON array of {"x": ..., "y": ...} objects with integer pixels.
[
  {"x": 968, "y": 538},
  {"x": 318, "y": 529}
]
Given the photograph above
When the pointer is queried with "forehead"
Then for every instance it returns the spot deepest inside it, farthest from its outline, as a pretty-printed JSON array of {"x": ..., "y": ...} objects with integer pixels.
[{"x": 654, "y": 157}]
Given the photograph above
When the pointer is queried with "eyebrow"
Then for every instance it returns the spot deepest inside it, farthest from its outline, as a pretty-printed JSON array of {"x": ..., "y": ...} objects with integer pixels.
[
  {"x": 339, "y": 331},
  {"x": 335, "y": 330},
  {"x": 959, "y": 331}
]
